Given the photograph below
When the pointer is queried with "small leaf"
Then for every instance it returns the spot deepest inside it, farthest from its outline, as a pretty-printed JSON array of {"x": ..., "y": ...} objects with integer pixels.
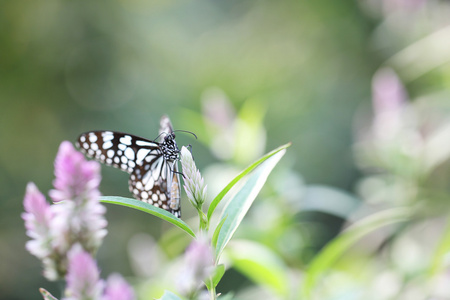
[
  {"x": 260, "y": 264},
  {"x": 440, "y": 258},
  {"x": 238, "y": 206},
  {"x": 169, "y": 296},
  {"x": 214, "y": 280},
  {"x": 331, "y": 253},
  {"x": 228, "y": 296},
  {"x": 148, "y": 208},
  {"x": 329, "y": 200},
  {"x": 250, "y": 168},
  {"x": 46, "y": 295},
  {"x": 436, "y": 150},
  {"x": 216, "y": 232}
]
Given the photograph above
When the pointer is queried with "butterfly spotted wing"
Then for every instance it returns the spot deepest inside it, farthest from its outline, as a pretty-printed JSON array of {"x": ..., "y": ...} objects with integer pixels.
[{"x": 152, "y": 165}]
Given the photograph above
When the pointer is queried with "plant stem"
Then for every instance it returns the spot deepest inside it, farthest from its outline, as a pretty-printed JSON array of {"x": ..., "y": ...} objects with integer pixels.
[
  {"x": 203, "y": 220},
  {"x": 213, "y": 293}
]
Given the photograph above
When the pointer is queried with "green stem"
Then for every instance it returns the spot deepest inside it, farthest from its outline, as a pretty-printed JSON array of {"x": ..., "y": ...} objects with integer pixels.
[
  {"x": 62, "y": 287},
  {"x": 203, "y": 220},
  {"x": 213, "y": 293}
]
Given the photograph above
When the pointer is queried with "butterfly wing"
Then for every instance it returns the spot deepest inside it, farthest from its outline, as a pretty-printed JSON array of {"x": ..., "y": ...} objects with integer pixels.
[
  {"x": 174, "y": 188},
  {"x": 151, "y": 178},
  {"x": 153, "y": 182},
  {"x": 120, "y": 150}
]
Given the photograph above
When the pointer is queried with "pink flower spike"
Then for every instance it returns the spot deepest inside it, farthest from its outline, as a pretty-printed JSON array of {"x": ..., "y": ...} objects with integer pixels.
[
  {"x": 37, "y": 217},
  {"x": 83, "y": 276},
  {"x": 199, "y": 257},
  {"x": 36, "y": 207},
  {"x": 117, "y": 289},
  {"x": 389, "y": 103},
  {"x": 198, "y": 265},
  {"x": 75, "y": 176},
  {"x": 388, "y": 92}
]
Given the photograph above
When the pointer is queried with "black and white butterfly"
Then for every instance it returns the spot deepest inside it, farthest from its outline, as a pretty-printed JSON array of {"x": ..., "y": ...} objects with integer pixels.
[{"x": 153, "y": 166}]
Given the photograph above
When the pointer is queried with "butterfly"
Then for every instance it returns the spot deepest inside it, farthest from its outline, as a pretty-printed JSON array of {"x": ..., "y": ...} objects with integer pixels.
[{"x": 152, "y": 165}]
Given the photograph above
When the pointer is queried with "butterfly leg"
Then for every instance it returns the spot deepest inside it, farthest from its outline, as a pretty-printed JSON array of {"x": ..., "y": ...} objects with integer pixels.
[{"x": 175, "y": 172}]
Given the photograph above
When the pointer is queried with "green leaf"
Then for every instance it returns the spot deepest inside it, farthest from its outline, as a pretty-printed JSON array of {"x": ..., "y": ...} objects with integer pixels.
[
  {"x": 214, "y": 280},
  {"x": 46, "y": 295},
  {"x": 331, "y": 253},
  {"x": 216, "y": 232},
  {"x": 440, "y": 258},
  {"x": 260, "y": 264},
  {"x": 238, "y": 206},
  {"x": 329, "y": 200},
  {"x": 169, "y": 296},
  {"x": 228, "y": 296},
  {"x": 150, "y": 209},
  {"x": 250, "y": 168}
]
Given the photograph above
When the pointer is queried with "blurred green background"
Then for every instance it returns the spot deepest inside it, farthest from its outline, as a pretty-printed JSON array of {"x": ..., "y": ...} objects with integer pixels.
[{"x": 245, "y": 76}]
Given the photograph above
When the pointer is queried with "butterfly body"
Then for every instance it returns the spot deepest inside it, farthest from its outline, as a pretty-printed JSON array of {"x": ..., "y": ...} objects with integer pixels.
[{"x": 153, "y": 168}]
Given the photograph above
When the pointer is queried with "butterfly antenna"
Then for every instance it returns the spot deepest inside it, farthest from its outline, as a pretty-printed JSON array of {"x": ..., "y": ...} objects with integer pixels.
[
  {"x": 186, "y": 132},
  {"x": 159, "y": 135}
]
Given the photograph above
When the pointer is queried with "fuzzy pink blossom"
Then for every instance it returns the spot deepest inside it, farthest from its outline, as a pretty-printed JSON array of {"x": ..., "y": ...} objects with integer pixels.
[
  {"x": 117, "y": 289},
  {"x": 66, "y": 234},
  {"x": 80, "y": 218},
  {"x": 37, "y": 218},
  {"x": 76, "y": 178},
  {"x": 388, "y": 92},
  {"x": 73, "y": 223},
  {"x": 83, "y": 276},
  {"x": 389, "y": 103},
  {"x": 198, "y": 266},
  {"x": 84, "y": 282},
  {"x": 77, "y": 216}
]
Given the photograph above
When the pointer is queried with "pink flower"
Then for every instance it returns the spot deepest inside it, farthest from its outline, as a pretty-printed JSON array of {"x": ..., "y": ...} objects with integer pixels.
[
  {"x": 65, "y": 235},
  {"x": 76, "y": 178},
  {"x": 78, "y": 216},
  {"x": 388, "y": 92},
  {"x": 83, "y": 280},
  {"x": 194, "y": 185},
  {"x": 389, "y": 103},
  {"x": 83, "y": 276},
  {"x": 198, "y": 266},
  {"x": 117, "y": 289},
  {"x": 37, "y": 218}
]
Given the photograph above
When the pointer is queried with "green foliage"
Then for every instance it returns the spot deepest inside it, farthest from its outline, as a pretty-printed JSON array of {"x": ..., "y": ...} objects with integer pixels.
[
  {"x": 117, "y": 71},
  {"x": 439, "y": 259},
  {"x": 150, "y": 209},
  {"x": 169, "y": 296},
  {"x": 217, "y": 275},
  {"x": 228, "y": 296},
  {"x": 232, "y": 215},
  {"x": 250, "y": 168},
  {"x": 324, "y": 199},
  {"x": 46, "y": 295},
  {"x": 237, "y": 207},
  {"x": 261, "y": 265},
  {"x": 324, "y": 261},
  {"x": 216, "y": 233}
]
